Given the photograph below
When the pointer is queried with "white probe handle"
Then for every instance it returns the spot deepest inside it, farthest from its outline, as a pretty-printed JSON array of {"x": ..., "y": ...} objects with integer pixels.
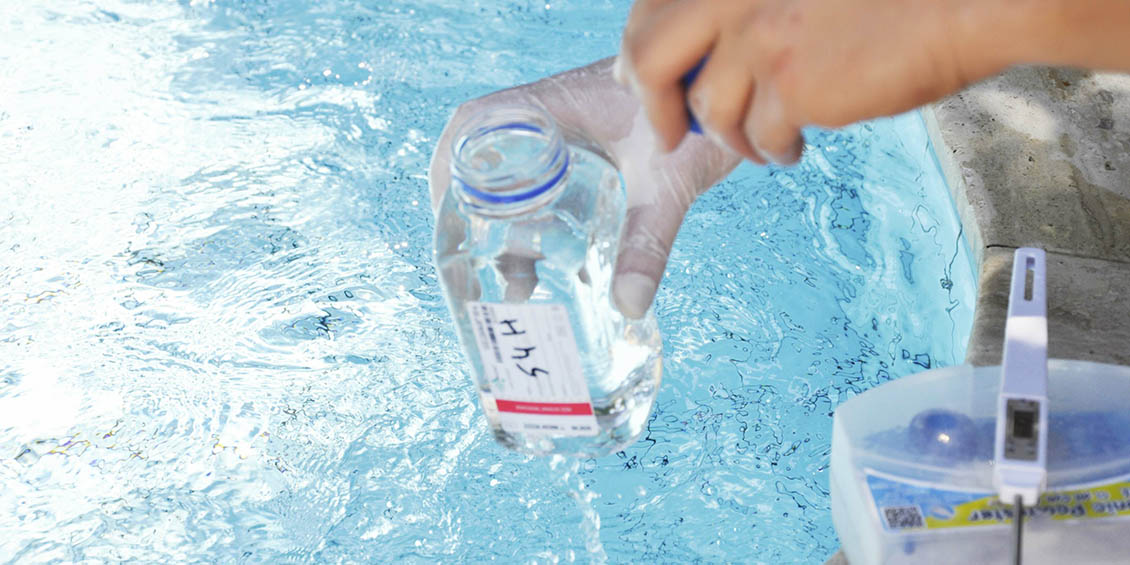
[
  {"x": 1026, "y": 331},
  {"x": 1022, "y": 406}
]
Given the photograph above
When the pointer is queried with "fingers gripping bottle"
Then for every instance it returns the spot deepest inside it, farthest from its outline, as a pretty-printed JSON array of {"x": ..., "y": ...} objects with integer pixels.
[{"x": 526, "y": 240}]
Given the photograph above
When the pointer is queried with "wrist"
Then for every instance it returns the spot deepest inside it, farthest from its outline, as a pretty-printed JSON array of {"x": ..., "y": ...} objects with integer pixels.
[
  {"x": 1085, "y": 33},
  {"x": 1078, "y": 33},
  {"x": 991, "y": 35}
]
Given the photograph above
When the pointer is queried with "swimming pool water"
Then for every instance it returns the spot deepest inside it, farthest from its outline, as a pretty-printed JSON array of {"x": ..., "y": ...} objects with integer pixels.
[{"x": 222, "y": 338}]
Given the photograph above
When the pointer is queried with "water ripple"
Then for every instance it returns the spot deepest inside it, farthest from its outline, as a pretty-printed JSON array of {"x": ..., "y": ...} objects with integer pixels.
[{"x": 223, "y": 340}]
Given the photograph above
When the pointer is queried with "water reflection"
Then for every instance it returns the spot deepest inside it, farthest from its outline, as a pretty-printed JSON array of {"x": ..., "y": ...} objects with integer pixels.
[{"x": 223, "y": 339}]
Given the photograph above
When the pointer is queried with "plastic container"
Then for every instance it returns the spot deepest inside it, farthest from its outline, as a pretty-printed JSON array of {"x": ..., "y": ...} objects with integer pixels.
[
  {"x": 912, "y": 470},
  {"x": 526, "y": 241}
]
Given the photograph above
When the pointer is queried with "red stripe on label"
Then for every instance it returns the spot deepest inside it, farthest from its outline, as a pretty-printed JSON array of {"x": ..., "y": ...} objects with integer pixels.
[{"x": 552, "y": 408}]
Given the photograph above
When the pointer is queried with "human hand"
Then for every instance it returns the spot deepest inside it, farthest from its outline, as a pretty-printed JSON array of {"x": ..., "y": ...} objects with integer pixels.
[
  {"x": 776, "y": 66},
  {"x": 589, "y": 105}
]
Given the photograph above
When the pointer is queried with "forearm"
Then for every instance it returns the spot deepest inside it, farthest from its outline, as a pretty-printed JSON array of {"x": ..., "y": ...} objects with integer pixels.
[
  {"x": 1087, "y": 33},
  {"x": 994, "y": 34}
]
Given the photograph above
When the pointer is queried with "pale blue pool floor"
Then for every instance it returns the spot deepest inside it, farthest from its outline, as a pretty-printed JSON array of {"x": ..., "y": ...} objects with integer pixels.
[{"x": 223, "y": 339}]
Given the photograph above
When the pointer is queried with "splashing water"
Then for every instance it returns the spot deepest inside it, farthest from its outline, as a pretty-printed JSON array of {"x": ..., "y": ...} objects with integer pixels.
[
  {"x": 223, "y": 339},
  {"x": 564, "y": 472}
]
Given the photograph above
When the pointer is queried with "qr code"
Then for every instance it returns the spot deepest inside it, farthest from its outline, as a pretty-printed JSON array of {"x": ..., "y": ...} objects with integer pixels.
[{"x": 903, "y": 517}]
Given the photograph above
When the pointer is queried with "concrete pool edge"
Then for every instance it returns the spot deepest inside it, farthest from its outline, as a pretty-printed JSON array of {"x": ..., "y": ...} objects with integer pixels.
[{"x": 1041, "y": 157}]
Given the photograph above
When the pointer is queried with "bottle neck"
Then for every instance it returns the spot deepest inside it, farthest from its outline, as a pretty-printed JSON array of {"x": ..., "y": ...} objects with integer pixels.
[{"x": 509, "y": 160}]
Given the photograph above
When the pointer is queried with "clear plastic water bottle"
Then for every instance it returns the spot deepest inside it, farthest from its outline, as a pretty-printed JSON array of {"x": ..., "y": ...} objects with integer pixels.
[{"x": 526, "y": 240}]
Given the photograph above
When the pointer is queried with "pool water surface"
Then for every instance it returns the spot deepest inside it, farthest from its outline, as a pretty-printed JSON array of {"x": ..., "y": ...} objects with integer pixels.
[{"x": 223, "y": 340}]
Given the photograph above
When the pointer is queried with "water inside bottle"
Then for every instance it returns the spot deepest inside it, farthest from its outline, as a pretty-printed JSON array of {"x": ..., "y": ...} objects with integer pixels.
[{"x": 526, "y": 243}]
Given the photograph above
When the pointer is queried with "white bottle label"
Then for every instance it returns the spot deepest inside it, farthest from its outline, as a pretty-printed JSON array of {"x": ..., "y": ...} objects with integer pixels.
[{"x": 530, "y": 357}]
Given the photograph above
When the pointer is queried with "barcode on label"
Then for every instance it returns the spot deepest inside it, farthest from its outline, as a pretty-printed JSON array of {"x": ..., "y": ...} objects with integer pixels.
[
  {"x": 487, "y": 325},
  {"x": 903, "y": 517}
]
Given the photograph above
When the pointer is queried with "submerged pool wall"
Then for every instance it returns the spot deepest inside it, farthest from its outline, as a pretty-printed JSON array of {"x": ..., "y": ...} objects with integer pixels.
[{"x": 1040, "y": 157}]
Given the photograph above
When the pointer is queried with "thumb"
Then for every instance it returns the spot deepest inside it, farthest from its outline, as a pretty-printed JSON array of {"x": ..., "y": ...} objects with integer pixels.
[{"x": 645, "y": 245}]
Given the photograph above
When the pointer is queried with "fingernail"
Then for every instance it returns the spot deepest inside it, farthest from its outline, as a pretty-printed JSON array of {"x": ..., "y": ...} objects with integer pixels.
[
  {"x": 792, "y": 157},
  {"x": 766, "y": 116},
  {"x": 633, "y": 294},
  {"x": 767, "y": 156},
  {"x": 618, "y": 70},
  {"x": 787, "y": 158}
]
